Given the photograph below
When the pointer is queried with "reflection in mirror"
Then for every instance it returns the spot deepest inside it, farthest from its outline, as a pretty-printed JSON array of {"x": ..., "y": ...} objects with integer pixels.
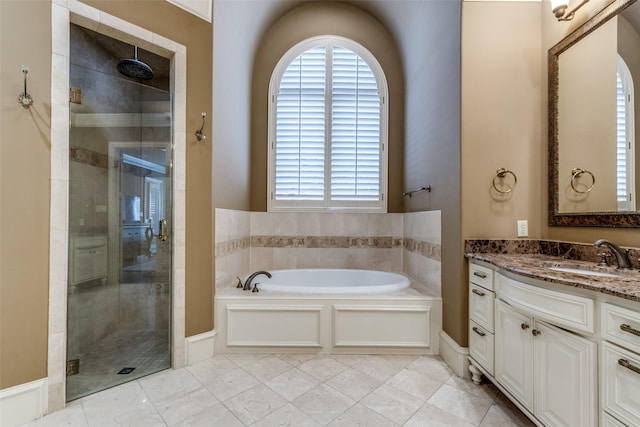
[{"x": 592, "y": 148}]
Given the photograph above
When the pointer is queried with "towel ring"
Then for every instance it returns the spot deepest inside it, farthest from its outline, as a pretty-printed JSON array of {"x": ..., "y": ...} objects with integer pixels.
[
  {"x": 501, "y": 173},
  {"x": 575, "y": 174}
]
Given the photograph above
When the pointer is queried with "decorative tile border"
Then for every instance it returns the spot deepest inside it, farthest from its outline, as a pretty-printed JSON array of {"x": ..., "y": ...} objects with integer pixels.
[
  {"x": 325, "y": 242},
  {"x": 229, "y": 247},
  {"x": 425, "y": 249},
  {"x": 88, "y": 157}
]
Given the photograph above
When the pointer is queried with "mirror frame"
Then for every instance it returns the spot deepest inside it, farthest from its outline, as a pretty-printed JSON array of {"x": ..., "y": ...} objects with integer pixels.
[{"x": 592, "y": 219}]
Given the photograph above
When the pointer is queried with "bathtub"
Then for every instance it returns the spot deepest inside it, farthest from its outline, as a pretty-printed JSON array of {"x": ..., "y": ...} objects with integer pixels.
[
  {"x": 332, "y": 311},
  {"x": 331, "y": 280}
]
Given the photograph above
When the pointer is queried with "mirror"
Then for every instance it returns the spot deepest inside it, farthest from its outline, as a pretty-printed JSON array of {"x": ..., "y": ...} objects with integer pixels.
[{"x": 593, "y": 177}]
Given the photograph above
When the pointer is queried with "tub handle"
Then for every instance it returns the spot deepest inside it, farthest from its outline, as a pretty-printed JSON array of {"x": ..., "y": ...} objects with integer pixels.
[
  {"x": 239, "y": 285},
  {"x": 255, "y": 287}
]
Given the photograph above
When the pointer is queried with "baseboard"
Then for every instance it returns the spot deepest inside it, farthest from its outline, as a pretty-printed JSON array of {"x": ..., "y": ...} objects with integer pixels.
[
  {"x": 200, "y": 347},
  {"x": 23, "y": 403},
  {"x": 454, "y": 355}
]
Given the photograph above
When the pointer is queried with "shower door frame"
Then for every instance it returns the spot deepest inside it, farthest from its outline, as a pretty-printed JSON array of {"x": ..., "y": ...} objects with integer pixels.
[{"x": 63, "y": 13}]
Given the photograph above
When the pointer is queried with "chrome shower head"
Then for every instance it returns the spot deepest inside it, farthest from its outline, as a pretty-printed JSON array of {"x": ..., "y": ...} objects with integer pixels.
[{"x": 134, "y": 68}]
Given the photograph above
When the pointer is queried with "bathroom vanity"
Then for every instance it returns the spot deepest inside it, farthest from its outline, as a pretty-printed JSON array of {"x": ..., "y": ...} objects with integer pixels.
[{"x": 561, "y": 338}]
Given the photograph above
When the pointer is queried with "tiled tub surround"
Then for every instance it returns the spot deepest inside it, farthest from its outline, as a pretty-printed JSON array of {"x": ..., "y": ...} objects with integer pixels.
[
  {"x": 404, "y": 321},
  {"x": 532, "y": 258},
  {"x": 408, "y": 243}
]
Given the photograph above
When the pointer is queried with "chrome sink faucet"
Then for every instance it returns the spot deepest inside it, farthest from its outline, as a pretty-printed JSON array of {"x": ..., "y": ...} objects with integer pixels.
[
  {"x": 247, "y": 283},
  {"x": 622, "y": 255}
]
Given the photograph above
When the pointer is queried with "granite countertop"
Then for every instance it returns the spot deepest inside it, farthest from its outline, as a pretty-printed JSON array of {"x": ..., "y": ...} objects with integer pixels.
[{"x": 625, "y": 284}]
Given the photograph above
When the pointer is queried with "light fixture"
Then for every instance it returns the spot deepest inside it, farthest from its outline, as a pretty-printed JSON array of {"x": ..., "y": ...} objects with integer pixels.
[{"x": 559, "y": 9}]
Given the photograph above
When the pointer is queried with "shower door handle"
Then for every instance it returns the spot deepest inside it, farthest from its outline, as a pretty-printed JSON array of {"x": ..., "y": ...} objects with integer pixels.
[{"x": 163, "y": 230}]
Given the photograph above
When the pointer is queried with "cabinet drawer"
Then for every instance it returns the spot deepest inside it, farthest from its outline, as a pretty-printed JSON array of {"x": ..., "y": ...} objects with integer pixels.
[
  {"x": 621, "y": 383},
  {"x": 481, "y": 346},
  {"x": 481, "y": 275},
  {"x": 558, "y": 308},
  {"x": 481, "y": 306},
  {"x": 621, "y": 326}
]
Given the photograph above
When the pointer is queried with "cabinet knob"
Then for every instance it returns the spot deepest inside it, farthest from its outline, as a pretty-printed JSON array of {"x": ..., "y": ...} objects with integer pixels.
[
  {"x": 524, "y": 326},
  {"x": 477, "y": 292},
  {"x": 535, "y": 332},
  {"x": 480, "y": 275}
]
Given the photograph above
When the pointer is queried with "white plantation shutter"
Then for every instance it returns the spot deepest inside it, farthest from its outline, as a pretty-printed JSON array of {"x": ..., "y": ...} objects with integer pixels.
[
  {"x": 328, "y": 128},
  {"x": 355, "y": 129},
  {"x": 300, "y": 128},
  {"x": 625, "y": 170}
]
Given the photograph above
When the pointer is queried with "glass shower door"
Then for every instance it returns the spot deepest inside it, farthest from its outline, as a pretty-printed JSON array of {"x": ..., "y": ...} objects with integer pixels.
[{"x": 120, "y": 198}]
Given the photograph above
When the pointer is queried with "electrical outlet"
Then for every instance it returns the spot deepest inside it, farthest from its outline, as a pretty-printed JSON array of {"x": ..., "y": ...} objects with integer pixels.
[{"x": 523, "y": 228}]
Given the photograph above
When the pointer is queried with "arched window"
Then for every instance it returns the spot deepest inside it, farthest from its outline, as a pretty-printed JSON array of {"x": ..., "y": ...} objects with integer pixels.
[
  {"x": 625, "y": 147},
  {"x": 328, "y": 128}
]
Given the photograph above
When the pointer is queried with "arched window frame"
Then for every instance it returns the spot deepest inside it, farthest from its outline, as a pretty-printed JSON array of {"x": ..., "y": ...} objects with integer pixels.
[
  {"x": 625, "y": 141},
  {"x": 379, "y": 205}
]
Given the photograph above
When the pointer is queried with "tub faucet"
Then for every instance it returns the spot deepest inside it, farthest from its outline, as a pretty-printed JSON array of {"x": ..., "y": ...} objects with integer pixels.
[
  {"x": 247, "y": 283},
  {"x": 622, "y": 255}
]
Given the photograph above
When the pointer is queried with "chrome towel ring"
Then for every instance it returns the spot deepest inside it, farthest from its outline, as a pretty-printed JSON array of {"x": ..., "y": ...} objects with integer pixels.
[
  {"x": 502, "y": 173},
  {"x": 575, "y": 174}
]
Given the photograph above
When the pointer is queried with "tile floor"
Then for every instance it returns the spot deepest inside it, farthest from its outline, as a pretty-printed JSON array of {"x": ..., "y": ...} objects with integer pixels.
[
  {"x": 146, "y": 351},
  {"x": 297, "y": 390}
]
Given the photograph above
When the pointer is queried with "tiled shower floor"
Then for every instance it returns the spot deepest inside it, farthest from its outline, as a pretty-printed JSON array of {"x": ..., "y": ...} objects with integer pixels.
[
  {"x": 297, "y": 390},
  {"x": 146, "y": 351}
]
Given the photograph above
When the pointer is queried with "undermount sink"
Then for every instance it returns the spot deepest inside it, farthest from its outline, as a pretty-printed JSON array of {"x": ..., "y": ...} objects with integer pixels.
[{"x": 583, "y": 271}]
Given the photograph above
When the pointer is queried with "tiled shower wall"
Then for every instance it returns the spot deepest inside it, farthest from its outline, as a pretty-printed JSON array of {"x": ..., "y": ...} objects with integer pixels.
[{"x": 247, "y": 242}]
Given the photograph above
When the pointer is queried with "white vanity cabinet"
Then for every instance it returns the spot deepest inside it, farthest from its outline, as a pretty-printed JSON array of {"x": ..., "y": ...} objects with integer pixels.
[
  {"x": 88, "y": 258},
  {"x": 481, "y": 316},
  {"x": 550, "y": 371},
  {"x": 620, "y": 365},
  {"x": 545, "y": 351}
]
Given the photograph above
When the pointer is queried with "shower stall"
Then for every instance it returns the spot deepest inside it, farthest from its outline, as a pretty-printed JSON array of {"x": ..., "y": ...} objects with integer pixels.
[{"x": 120, "y": 198}]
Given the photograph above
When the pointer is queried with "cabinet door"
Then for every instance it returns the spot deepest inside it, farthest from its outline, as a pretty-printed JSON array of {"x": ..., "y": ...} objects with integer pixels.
[
  {"x": 565, "y": 377},
  {"x": 514, "y": 352}
]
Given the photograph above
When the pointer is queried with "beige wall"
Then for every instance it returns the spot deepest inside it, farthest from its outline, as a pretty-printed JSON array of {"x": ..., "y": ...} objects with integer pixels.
[
  {"x": 24, "y": 192},
  {"x": 24, "y": 169},
  {"x": 501, "y": 119},
  {"x": 313, "y": 19}
]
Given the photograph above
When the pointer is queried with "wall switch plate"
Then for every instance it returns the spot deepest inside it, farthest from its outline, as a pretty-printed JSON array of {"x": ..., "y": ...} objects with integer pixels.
[{"x": 523, "y": 228}]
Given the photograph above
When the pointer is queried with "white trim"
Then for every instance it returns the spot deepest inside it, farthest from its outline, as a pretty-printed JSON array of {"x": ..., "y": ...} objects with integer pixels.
[
  {"x": 62, "y": 14},
  {"x": 200, "y": 8},
  {"x": 23, "y": 403},
  {"x": 456, "y": 356},
  {"x": 200, "y": 347}
]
